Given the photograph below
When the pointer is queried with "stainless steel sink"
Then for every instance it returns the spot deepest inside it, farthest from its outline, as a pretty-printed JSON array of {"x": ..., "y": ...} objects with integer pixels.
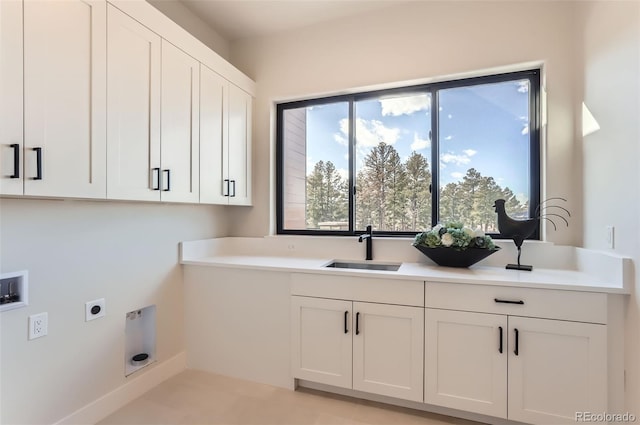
[{"x": 364, "y": 266}]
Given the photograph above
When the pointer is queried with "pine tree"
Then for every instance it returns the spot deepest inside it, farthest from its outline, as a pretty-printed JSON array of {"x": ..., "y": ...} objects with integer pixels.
[
  {"x": 470, "y": 197},
  {"x": 326, "y": 195},
  {"x": 381, "y": 186},
  {"x": 487, "y": 195},
  {"x": 471, "y": 201},
  {"x": 450, "y": 204},
  {"x": 418, "y": 196}
]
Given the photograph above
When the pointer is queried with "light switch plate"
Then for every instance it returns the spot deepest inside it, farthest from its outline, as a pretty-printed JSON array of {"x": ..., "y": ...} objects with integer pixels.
[{"x": 610, "y": 236}]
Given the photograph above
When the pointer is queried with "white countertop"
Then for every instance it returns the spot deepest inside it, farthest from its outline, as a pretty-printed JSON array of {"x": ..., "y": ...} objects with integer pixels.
[{"x": 573, "y": 280}]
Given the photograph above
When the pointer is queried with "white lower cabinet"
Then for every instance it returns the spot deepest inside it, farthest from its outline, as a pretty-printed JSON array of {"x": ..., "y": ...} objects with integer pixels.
[
  {"x": 528, "y": 355},
  {"x": 466, "y": 361},
  {"x": 321, "y": 340},
  {"x": 388, "y": 343},
  {"x": 556, "y": 369},
  {"x": 525, "y": 369},
  {"x": 377, "y": 348}
]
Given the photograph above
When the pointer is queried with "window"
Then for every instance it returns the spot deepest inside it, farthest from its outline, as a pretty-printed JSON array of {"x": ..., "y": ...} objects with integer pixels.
[{"x": 405, "y": 159}]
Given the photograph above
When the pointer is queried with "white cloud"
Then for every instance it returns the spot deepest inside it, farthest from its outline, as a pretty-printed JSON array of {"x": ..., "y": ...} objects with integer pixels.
[
  {"x": 456, "y": 175},
  {"x": 470, "y": 152},
  {"x": 523, "y": 86},
  {"x": 404, "y": 105},
  {"x": 371, "y": 133},
  {"x": 450, "y": 157},
  {"x": 419, "y": 144},
  {"x": 368, "y": 133},
  {"x": 340, "y": 139},
  {"x": 343, "y": 173},
  {"x": 448, "y": 138},
  {"x": 525, "y": 125},
  {"x": 449, "y": 116}
]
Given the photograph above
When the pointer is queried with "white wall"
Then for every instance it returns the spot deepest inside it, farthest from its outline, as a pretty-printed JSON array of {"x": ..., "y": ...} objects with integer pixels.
[
  {"x": 610, "y": 57},
  {"x": 191, "y": 22},
  {"x": 77, "y": 251},
  {"x": 415, "y": 40}
]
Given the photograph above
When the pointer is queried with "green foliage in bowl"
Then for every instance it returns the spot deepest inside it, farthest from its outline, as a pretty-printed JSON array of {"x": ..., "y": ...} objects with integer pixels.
[{"x": 454, "y": 235}]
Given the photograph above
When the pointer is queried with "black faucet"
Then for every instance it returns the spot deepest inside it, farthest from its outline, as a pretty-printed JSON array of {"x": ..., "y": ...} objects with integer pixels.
[{"x": 369, "y": 237}]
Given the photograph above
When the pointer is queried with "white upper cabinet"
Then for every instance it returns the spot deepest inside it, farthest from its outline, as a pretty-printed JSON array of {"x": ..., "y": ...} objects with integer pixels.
[
  {"x": 180, "y": 138},
  {"x": 133, "y": 109},
  {"x": 64, "y": 98},
  {"x": 103, "y": 100},
  {"x": 239, "y": 157},
  {"x": 213, "y": 137},
  {"x": 11, "y": 140},
  {"x": 225, "y": 141}
]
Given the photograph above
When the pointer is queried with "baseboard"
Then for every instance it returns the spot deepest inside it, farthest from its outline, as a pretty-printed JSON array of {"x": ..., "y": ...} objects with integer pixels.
[
  {"x": 476, "y": 417},
  {"x": 132, "y": 389}
]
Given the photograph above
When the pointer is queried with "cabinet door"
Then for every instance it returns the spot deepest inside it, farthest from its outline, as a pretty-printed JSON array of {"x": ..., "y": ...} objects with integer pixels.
[
  {"x": 558, "y": 369},
  {"x": 213, "y": 138},
  {"x": 11, "y": 141},
  {"x": 388, "y": 346},
  {"x": 466, "y": 361},
  {"x": 239, "y": 171},
  {"x": 321, "y": 340},
  {"x": 64, "y": 98},
  {"x": 133, "y": 109},
  {"x": 180, "y": 138}
]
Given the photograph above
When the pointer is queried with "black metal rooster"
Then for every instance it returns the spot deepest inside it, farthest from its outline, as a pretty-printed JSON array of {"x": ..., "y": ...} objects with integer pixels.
[{"x": 519, "y": 230}]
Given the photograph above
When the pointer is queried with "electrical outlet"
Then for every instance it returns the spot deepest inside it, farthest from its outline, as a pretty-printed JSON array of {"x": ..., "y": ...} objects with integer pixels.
[
  {"x": 38, "y": 325},
  {"x": 610, "y": 237},
  {"x": 94, "y": 309}
]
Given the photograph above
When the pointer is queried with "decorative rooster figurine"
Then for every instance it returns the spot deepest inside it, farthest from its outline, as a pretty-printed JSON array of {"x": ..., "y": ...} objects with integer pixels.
[{"x": 519, "y": 230}]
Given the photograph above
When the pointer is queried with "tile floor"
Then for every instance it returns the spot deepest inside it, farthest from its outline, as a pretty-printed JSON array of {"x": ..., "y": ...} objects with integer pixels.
[{"x": 198, "y": 398}]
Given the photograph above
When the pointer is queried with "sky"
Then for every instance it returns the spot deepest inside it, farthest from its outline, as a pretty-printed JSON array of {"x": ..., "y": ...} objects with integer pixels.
[{"x": 484, "y": 127}]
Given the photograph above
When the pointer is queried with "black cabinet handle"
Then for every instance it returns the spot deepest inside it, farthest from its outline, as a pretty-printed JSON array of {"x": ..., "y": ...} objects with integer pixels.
[
  {"x": 168, "y": 187},
  {"x": 234, "y": 188},
  {"x": 498, "y": 300},
  {"x": 226, "y": 181},
  {"x": 500, "y": 349},
  {"x": 357, "y": 323},
  {"x": 515, "y": 351},
  {"x": 16, "y": 161},
  {"x": 346, "y": 328},
  {"x": 156, "y": 178},
  {"x": 38, "y": 163}
]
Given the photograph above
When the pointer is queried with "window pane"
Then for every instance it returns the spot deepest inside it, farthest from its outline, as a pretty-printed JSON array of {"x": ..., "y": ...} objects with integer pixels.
[
  {"x": 393, "y": 152},
  {"x": 484, "y": 152},
  {"x": 316, "y": 167}
]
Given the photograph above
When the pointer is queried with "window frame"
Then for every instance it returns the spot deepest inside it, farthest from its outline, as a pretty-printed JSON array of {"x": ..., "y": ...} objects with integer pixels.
[{"x": 533, "y": 75}]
